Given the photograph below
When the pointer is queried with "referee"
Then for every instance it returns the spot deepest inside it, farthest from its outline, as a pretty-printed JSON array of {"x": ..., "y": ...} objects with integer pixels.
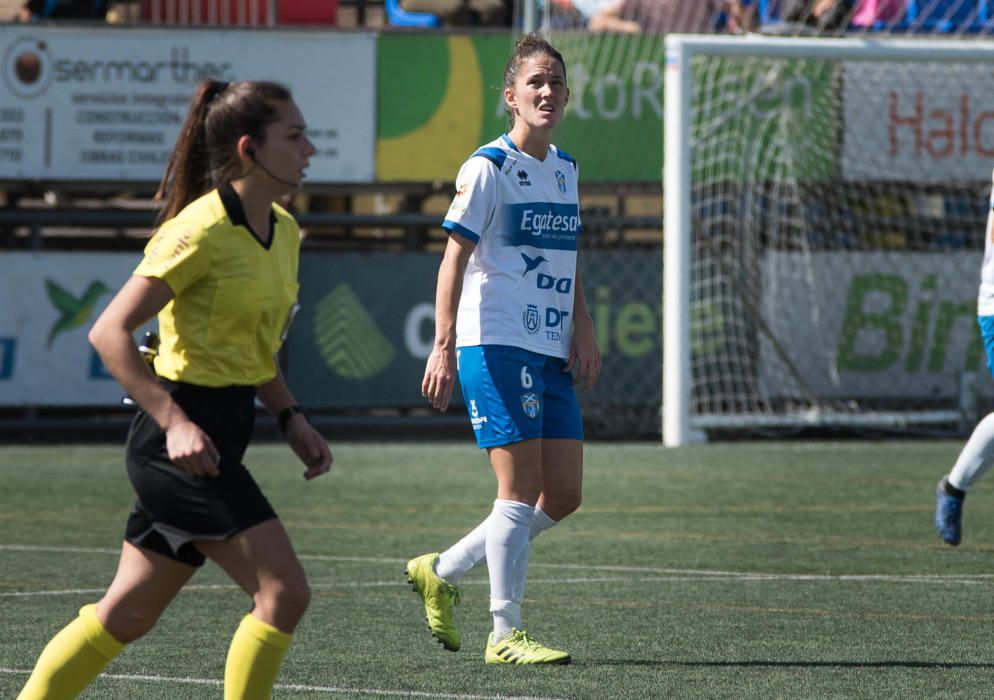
[{"x": 221, "y": 274}]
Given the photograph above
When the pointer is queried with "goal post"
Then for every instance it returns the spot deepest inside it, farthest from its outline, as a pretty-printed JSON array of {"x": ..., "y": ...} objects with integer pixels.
[{"x": 824, "y": 207}]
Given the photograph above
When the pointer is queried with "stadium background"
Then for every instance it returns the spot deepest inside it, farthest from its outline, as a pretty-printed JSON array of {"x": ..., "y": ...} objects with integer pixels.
[
  {"x": 391, "y": 133},
  {"x": 738, "y": 569}
]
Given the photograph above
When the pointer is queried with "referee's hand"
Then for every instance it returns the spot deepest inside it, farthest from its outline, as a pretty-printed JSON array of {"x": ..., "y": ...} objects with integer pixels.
[
  {"x": 191, "y": 449},
  {"x": 308, "y": 444}
]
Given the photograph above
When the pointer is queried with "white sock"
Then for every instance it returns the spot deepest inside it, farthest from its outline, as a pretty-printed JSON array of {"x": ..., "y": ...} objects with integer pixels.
[
  {"x": 976, "y": 457},
  {"x": 458, "y": 559},
  {"x": 471, "y": 550},
  {"x": 507, "y": 617},
  {"x": 508, "y": 545},
  {"x": 540, "y": 522}
]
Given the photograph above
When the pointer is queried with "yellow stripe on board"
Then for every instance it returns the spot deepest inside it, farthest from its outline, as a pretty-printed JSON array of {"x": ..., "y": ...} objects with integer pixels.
[{"x": 438, "y": 147}]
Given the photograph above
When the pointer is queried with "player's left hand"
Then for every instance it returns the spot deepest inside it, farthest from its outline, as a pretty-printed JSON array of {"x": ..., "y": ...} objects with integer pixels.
[
  {"x": 440, "y": 378},
  {"x": 309, "y": 445},
  {"x": 584, "y": 356}
]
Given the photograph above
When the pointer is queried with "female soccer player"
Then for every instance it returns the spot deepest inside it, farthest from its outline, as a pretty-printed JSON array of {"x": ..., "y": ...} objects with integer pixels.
[
  {"x": 511, "y": 316},
  {"x": 977, "y": 454},
  {"x": 221, "y": 273}
]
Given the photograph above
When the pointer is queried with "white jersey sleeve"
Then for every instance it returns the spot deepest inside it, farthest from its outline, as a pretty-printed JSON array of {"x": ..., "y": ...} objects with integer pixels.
[
  {"x": 985, "y": 297},
  {"x": 472, "y": 209}
]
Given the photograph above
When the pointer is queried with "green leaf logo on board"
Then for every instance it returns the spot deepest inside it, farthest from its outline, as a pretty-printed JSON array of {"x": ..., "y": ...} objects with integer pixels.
[
  {"x": 73, "y": 311},
  {"x": 348, "y": 338}
]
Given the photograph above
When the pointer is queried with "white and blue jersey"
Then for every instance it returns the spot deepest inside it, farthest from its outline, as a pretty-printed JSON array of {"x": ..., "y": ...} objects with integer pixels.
[
  {"x": 524, "y": 216},
  {"x": 985, "y": 296}
]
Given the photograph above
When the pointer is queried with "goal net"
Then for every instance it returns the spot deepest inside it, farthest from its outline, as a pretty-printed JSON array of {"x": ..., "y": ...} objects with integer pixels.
[{"x": 825, "y": 206}]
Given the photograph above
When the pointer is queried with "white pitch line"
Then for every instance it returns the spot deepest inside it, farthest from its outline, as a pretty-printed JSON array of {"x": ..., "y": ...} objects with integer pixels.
[
  {"x": 934, "y": 580},
  {"x": 104, "y": 550},
  {"x": 301, "y": 687},
  {"x": 665, "y": 572},
  {"x": 742, "y": 574},
  {"x": 57, "y": 550},
  {"x": 64, "y": 591}
]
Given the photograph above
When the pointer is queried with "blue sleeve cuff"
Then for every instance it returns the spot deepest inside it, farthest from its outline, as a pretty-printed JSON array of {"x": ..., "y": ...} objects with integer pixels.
[{"x": 453, "y": 227}]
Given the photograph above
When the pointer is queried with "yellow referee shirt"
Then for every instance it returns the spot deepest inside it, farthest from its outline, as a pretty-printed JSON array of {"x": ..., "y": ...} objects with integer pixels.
[{"x": 232, "y": 293}]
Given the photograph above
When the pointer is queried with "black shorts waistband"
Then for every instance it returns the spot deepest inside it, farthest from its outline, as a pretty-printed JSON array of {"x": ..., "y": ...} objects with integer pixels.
[{"x": 233, "y": 392}]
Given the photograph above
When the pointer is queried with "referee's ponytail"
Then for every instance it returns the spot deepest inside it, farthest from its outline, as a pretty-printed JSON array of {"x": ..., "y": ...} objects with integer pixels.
[{"x": 205, "y": 154}]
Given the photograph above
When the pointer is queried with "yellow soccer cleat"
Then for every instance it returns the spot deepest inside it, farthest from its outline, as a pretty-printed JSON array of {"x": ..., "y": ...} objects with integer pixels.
[
  {"x": 519, "y": 648},
  {"x": 438, "y": 597}
]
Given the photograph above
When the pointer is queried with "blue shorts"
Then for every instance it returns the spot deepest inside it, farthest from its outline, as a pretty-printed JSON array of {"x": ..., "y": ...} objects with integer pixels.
[
  {"x": 514, "y": 394},
  {"x": 987, "y": 334}
]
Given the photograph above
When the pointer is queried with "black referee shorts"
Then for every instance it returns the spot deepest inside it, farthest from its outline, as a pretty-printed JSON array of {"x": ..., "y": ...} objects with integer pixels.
[{"x": 173, "y": 508}]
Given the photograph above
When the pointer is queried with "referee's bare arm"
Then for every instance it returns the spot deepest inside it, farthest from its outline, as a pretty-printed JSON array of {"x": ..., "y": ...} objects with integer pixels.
[
  {"x": 306, "y": 442},
  {"x": 139, "y": 300}
]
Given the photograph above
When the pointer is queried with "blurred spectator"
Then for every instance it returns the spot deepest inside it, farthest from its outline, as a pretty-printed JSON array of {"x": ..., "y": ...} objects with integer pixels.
[
  {"x": 838, "y": 15},
  {"x": 462, "y": 13},
  {"x": 663, "y": 16},
  {"x": 34, "y": 10},
  {"x": 869, "y": 12},
  {"x": 822, "y": 15}
]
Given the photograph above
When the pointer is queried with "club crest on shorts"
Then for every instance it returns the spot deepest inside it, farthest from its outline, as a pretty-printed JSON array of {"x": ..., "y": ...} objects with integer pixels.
[
  {"x": 530, "y": 404},
  {"x": 561, "y": 182},
  {"x": 531, "y": 319}
]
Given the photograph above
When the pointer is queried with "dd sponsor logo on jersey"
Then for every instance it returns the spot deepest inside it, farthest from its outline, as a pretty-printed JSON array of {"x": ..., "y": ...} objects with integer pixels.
[{"x": 563, "y": 285}]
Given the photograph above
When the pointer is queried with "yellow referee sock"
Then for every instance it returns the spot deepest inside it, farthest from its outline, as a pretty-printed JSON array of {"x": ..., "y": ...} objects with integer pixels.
[
  {"x": 254, "y": 659},
  {"x": 72, "y": 659}
]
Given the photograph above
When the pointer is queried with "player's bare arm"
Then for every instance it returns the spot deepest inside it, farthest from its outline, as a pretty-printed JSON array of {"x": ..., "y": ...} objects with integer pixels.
[
  {"x": 440, "y": 370},
  {"x": 584, "y": 354}
]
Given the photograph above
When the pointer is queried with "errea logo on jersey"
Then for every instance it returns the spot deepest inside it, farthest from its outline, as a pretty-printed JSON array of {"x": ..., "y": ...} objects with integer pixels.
[{"x": 523, "y": 179}]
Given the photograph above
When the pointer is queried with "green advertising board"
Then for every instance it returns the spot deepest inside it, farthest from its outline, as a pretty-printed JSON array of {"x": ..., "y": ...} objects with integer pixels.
[
  {"x": 366, "y": 321},
  {"x": 366, "y": 326},
  {"x": 440, "y": 97}
]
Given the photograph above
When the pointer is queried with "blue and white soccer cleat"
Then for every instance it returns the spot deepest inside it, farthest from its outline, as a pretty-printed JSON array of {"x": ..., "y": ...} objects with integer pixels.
[{"x": 948, "y": 514}]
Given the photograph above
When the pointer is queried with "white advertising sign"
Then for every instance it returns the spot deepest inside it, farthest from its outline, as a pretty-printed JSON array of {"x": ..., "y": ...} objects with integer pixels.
[
  {"x": 48, "y": 302},
  {"x": 871, "y": 325},
  {"x": 925, "y": 123},
  {"x": 106, "y": 104}
]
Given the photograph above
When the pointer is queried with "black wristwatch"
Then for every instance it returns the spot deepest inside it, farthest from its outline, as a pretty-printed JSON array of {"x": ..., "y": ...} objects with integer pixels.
[{"x": 289, "y": 412}]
